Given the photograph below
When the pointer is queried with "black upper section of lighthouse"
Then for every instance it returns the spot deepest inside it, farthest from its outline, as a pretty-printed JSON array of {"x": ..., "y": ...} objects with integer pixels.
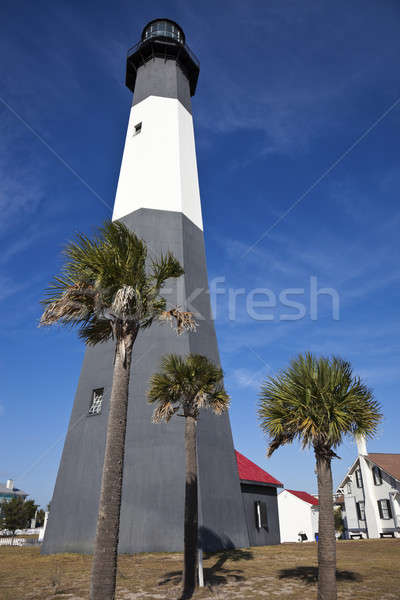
[{"x": 162, "y": 38}]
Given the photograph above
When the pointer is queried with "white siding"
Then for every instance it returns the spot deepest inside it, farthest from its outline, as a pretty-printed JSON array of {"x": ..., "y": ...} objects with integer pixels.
[
  {"x": 295, "y": 516},
  {"x": 370, "y": 494}
]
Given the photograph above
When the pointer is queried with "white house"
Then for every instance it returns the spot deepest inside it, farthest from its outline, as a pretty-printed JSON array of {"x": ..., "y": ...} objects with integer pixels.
[
  {"x": 9, "y": 491},
  {"x": 371, "y": 490},
  {"x": 298, "y": 516}
]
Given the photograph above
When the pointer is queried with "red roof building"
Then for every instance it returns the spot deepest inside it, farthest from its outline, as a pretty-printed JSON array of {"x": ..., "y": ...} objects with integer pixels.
[
  {"x": 305, "y": 496},
  {"x": 260, "y": 502},
  {"x": 298, "y": 516},
  {"x": 249, "y": 472}
]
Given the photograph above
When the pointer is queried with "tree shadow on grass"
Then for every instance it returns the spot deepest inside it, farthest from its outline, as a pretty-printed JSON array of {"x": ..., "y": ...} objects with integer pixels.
[
  {"x": 310, "y": 574},
  {"x": 218, "y": 573}
]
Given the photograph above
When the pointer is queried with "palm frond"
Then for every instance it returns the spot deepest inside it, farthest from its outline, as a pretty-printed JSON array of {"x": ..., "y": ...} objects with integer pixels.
[
  {"x": 165, "y": 267},
  {"x": 107, "y": 278},
  {"x": 277, "y": 441},
  {"x": 183, "y": 320},
  {"x": 191, "y": 382},
  {"x": 73, "y": 303},
  {"x": 317, "y": 401},
  {"x": 164, "y": 412},
  {"x": 97, "y": 331},
  {"x": 215, "y": 399}
]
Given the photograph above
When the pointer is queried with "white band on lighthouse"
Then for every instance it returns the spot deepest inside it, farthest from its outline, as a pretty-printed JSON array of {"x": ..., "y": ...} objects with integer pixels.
[{"x": 159, "y": 168}]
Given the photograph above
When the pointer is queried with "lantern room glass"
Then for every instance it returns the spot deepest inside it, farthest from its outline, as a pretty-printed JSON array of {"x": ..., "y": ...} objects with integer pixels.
[{"x": 163, "y": 29}]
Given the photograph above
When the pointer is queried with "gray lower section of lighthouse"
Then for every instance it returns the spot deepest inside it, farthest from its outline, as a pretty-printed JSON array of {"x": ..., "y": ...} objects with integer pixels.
[{"x": 154, "y": 473}]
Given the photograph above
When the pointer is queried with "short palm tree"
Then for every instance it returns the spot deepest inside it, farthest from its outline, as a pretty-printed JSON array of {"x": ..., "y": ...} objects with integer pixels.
[
  {"x": 188, "y": 384},
  {"x": 109, "y": 290},
  {"x": 319, "y": 401}
]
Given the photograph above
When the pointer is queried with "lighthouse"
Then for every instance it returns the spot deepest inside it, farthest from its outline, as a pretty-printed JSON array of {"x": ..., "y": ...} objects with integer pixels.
[{"x": 158, "y": 198}]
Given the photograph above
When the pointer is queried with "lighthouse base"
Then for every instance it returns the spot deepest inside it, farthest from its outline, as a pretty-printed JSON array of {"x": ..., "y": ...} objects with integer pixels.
[{"x": 152, "y": 510}]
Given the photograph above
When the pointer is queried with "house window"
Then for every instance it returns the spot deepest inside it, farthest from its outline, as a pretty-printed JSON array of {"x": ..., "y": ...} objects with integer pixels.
[
  {"x": 349, "y": 487},
  {"x": 361, "y": 510},
  {"x": 377, "y": 475},
  {"x": 137, "y": 129},
  {"x": 96, "y": 401},
  {"x": 385, "y": 510},
  {"x": 261, "y": 514},
  {"x": 359, "y": 481}
]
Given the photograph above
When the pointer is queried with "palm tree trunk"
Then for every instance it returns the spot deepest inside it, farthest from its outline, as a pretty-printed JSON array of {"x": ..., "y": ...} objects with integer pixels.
[
  {"x": 191, "y": 510},
  {"x": 326, "y": 530},
  {"x": 104, "y": 568}
]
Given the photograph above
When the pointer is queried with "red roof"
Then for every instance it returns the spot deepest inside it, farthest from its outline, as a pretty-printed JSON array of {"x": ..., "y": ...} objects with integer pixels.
[
  {"x": 305, "y": 496},
  {"x": 249, "y": 471}
]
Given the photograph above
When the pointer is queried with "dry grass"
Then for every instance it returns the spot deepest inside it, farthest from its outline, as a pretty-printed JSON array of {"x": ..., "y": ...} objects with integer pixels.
[{"x": 367, "y": 570}]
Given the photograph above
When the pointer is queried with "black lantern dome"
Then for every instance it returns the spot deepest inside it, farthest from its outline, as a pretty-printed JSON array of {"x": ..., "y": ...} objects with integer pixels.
[{"x": 165, "y": 39}]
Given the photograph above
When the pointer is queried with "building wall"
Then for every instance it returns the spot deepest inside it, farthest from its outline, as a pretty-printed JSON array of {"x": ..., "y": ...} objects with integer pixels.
[
  {"x": 159, "y": 168},
  {"x": 294, "y": 517},
  {"x": 7, "y": 496},
  {"x": 351, "y": 497},
  {"x": 376, "y": 525},
  {"x": 10, "y": 495},
  {"x": 382, "y": 492},
  {"x": 264, "y": 536},
  {"x": 315, "y": 520}
]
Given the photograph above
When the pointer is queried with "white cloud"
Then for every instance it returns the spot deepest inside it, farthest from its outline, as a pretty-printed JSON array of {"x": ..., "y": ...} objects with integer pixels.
[
  {"x": 245, "y": 378},
  {"x": 19, "y": 245},
  {"x": 21, "y": 189},
  {"x": 380, "y": 374},
  {"x": 9, "y": 288}
]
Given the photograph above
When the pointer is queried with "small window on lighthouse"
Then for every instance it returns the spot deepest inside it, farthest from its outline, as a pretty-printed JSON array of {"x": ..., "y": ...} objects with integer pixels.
[
  {"x": 96, "y": 401},
  {"x": 137, "y": 129}
]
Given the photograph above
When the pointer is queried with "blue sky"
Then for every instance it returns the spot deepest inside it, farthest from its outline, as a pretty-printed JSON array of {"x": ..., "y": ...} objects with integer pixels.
[{"x": 287, "y": 92}]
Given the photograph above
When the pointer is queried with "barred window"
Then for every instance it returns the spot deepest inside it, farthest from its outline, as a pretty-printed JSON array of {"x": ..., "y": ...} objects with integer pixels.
[{"x": 96, "y": 401}]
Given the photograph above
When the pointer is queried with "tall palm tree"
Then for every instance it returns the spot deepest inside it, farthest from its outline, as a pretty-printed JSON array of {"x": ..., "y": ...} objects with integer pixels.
[
  {"x": 319, "y": 401},
  {"x": 109, "y": 290},
  {"x": 188, "y": 384}
]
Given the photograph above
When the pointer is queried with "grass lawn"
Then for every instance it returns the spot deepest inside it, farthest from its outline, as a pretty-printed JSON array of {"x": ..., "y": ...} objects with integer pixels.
[{"x": 367, "y": 570}]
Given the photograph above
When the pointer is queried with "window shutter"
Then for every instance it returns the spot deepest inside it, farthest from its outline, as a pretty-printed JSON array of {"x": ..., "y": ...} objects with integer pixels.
[
  {"x": 358, "y": 511},
  {"x": 257, "y": 514},
  {"x": 380, "y": 509},
  {"x": 359, "y": 480},
  {"x": 389, "y": 508},
  {"x": 263, "y": 511}
]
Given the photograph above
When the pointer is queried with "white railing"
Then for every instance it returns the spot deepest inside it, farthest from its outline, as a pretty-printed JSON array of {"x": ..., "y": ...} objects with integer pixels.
[{"x": 17, "y": 541}]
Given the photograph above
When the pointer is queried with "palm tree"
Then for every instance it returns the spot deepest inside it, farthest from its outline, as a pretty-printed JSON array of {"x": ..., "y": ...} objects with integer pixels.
[
  {"x": 109, "y": 290},
  {"x": 319, "y": 401},
  {"x": 188, "y": 384}
]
